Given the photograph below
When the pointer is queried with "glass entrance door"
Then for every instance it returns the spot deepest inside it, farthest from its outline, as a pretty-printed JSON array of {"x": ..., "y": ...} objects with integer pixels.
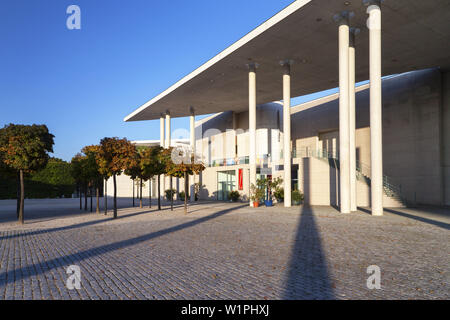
[{"x": 226, "y": 182}]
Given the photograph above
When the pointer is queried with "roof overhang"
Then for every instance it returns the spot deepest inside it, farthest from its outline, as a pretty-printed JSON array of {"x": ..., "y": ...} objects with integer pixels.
[{"x": 415, "y": 35}]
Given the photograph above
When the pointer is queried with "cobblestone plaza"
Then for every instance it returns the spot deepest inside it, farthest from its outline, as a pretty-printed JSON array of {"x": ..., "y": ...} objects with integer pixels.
[{"x": 222, "y": 251}]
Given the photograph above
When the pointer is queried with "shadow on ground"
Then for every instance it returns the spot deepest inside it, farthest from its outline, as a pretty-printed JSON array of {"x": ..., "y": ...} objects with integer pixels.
[
  {"x": 38, "y": 210},
  {"x": 432, "y": 216},
  {"x": 74, "y": 258},
  {"x": 307, "y": 272}
]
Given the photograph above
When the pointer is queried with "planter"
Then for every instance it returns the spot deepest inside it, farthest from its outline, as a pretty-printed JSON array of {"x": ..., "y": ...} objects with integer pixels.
[
  {"x": 268, "y": 203},
  {"x": 255, "y": 204}
]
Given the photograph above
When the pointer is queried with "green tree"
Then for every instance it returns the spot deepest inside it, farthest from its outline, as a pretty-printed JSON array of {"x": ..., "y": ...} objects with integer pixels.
[
  {"x": 134, "y": 171},
  {"x": 92, "y": 172},
  {"x": 114, "y": 156},
  {"x": 25, "y": 149},
  {"x": 181, "y": 165},
  {"x": 55, "y": 179},
  {"x": 153, "y": 163},
  {"x": 76, "y": 170},
  {"x": 148, "y": 169}
]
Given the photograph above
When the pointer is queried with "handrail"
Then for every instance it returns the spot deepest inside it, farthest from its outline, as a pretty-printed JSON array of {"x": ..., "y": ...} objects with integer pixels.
[{"x": 389, "y": 186}]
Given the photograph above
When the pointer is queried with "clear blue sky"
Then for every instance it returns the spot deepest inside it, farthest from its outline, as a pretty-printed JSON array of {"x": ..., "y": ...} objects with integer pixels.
[{"x": 81, "y": 83}]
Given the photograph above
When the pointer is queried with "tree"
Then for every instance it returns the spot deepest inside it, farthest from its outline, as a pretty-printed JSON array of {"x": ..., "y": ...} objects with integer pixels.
[
  {"x": 153, "y": 164},
  {"x": 92, "y": 172},
  {"x": 81, "y": 171},
  {"x": 7, "y": 173},
  {"x": 76, "y": 170},
  {"x": 184, "y": 165},
  {"x": 170, "y": 170},
  {"x": 134, "y": 171},
  {"x": 148, "y": 169},
  {"x": 114, "y": 156},
  {"x": 25, "y": 149},
  {"x": 55, "y": 180}
]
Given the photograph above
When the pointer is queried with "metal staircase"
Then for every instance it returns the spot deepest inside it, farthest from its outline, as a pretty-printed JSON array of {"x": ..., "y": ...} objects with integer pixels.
[{"x": 391, "y": 189}]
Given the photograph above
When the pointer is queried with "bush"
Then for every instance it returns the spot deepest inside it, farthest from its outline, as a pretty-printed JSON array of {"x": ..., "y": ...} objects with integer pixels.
[
  {"x": 279, "y": 194},
  {"x": 297, "y": 197},
  {"x": 54, "y": 181},
  {"x": 170, "y": 193},
  {"x": 234, "y": 195},
  {"x": 256, "y": 193},
  {"x": 181, "y": 195}
]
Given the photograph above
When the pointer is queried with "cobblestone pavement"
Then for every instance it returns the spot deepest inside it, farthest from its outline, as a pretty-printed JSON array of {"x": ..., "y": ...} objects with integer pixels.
[{"x": 226, "y": 251}]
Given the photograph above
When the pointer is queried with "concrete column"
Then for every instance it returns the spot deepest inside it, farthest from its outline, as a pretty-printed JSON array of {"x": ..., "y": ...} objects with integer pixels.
[
  {"x": 192, "y": 144},
  {"x": 252, "y": 121},
  {"x": 162, "y": 143},
  {"x": 161, "y": 131},
  {"x": 168, "y": 141},
  {"x": 352, "y": 121},
  {"x": 344, "y": 114},
  {"x": 168, "y": 179},
  {"x": 287, "y": 130},
  {"x": 376, "y": 137}
]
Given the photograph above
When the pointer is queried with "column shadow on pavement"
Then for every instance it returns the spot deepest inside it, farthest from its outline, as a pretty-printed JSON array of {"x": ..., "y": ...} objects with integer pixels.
[
  {"x": 27, "y": 271},
  {"x": 307, "y": 274}
]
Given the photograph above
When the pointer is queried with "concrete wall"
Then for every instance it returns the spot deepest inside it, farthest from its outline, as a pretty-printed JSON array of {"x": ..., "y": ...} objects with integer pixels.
[
  {"x": 411, "y": 133},
  {"x": 217, "y": 137},
  {"x": 416, "y": 142},
  {"x": 125, "y": 186},
  {"x": 445, "y": 133}
]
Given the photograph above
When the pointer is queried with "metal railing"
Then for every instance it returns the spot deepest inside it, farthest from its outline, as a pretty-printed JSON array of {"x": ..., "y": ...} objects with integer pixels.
[{"x": 363, "y": 171}]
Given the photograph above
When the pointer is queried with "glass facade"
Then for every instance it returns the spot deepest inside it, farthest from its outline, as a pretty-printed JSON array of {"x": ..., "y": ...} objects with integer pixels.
[{"x": 226, "y": 182}]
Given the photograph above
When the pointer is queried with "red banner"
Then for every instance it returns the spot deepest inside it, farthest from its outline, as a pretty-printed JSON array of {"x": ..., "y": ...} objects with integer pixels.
[{"x": 241, "y": 179}]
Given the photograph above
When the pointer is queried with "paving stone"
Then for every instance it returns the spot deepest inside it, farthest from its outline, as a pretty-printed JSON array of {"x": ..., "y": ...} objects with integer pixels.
[{"x": 226, "y": 251}]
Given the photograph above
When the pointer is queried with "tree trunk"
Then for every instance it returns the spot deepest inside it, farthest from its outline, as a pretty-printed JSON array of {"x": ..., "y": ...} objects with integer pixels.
[
  {"x": 81, "y": 197},
  {"x": 90, "y": 194},
  {"x": 133, "y": 193},
  {"x": 85, "y": 197},
  {"x": 22, "y": 197},
  {"x": 18, "y": 194},
  {"x": 186, "y": 185},
  {"x": 140, "y": 193},
  {"x": 98, "y": 198},
  {"x": 171, "y": 195},
  {"x": 115, "y": 196},
  {"x": 188, "y": 190},
  {"x": 106, "y": 196},
  {"x": 150, "y": 193},
  {"x": 159, "y": 192}
]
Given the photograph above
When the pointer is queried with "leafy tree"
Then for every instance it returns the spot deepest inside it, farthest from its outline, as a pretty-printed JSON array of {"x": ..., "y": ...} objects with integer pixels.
[
  {"x": 76, "y": 170},
  {"x": 134, "y": 171},
  {"x": 153, "y": 164},
  {"x": 114, "y": 156},
  {"x": 92, "y": 172},
  {"x": 7, "y": 173},
  {"x": 25, "y": 149},
  {"x": 54, "y": 180},
  {"x": 170, "y": 169},
  {"x": 183, "y": 166},
  {"x": 148, "y": 169}
]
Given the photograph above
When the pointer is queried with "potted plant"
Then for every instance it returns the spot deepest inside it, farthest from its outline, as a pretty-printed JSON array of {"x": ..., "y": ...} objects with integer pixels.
[
  {"x": 181, "y": 195},
  {"x": 297, "y": 197},
  {"x": 279, "y": 194},
  {"x": 255, "y": 195},
  {"x": 276, "y": 190},
  {"x": 234, "y": 195}
]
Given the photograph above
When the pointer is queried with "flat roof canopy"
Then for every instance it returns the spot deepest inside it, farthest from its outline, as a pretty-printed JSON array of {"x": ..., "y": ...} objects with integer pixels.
[{"x": 415, "y": 35}]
